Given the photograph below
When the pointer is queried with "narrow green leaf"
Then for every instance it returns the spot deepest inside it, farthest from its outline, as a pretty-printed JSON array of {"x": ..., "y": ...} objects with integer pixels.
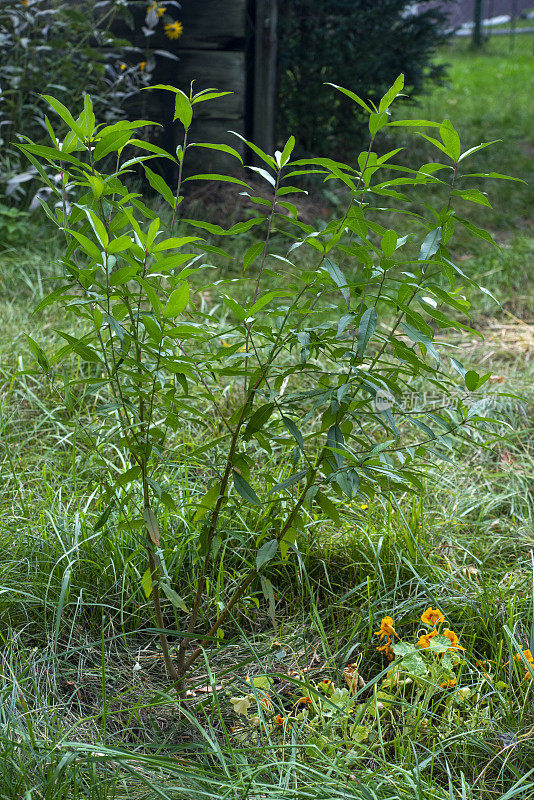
[
  {"x": 366, "y": 329},
  {"x": 352, "y": 96},
  {"x": 258, "y": 419},
  {"x": 160, "y": 185},
  {"x": 392, "y": 93},
  {"x": 207, "y": 502},
  {"x": 266, "y": 553},
  {"x": 251, "y": 254},
  {"x": 146, "y": 583},
  {"x": 327, "y": 507},
  {"x": 177, "y": 301},
  {"x": 65, "y": 115},
  {"x": 430, "y": 244},
  {"x": 245, "y": 490},
  {"x": 174, "y": 597}
]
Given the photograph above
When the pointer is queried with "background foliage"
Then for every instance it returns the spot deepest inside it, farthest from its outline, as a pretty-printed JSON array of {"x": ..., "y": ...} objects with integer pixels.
[{"x": 360, "y": 44}]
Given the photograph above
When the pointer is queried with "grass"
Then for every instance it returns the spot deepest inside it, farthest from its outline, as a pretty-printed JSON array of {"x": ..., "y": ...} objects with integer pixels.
[{"x": 85, "y": 708}]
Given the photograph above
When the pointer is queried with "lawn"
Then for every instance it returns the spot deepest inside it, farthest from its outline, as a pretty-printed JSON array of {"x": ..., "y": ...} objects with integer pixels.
[{"x": 294, "y": 701}]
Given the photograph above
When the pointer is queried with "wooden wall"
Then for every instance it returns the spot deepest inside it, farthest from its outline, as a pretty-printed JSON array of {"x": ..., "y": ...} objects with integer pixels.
[{"x": 226, "y": 44}]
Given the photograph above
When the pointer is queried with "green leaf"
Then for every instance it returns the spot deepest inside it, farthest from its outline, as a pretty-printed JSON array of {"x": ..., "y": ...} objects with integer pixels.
[
  {"x": 84, "y": 351},
  {"x": 151, "y": 524},
  {"x": 90, "y": 247},
  {"x": 251, "y": 254},
  {"x": 112, "y": 142},
  {"x": 129, "y": 475},
  {"x": 389, "y": 243},
  {"x": 352, "y": 96},
  {"x": 146, "y": 583},
  {"x": 182, "y": 109},
  {"x": 286, "y": 152},
  {"x": 161, "y": 187},
  {"x": 177, "y": 301},
  {"x": 208, "y": 94},
  {"x": 245, "y": 490},
  {"x": 291, "y": 481},
  {"x": 450, "y": 139},
  {"x": 216, "y": 177},
  {"x": 234, "y": 307},
  {"x": 289, "y": 538},
  {"x": 392, "y": 93},
  {"x": 38, "y": 354},
  {"x": 327, "y": 507},
  {"x": 174, "y": 597},
  {"x": 294, "y": 431},
  {"x": 339, "y": 279},
  {"x": 366, "y": 329},
  {"x": 65, "y": 115},
  {"x": 471, "y": 379},
  {"x": 377, "y": 121},
  {"x": 258, "y": 419},
  {"x": 430, "y": 244},
  {"x": 207, "y": 502},
  {"x": 266, "y": 553},
  {"x": 103, "y": 518},
  {"x": 222, "y": 148}
]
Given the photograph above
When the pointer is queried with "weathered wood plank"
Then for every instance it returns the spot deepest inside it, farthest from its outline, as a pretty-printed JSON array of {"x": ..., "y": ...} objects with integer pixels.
[
  {"x": 217, "y": 24},
  {"x": 265, "y": 73},
  {"x": 212, "y": 68}
]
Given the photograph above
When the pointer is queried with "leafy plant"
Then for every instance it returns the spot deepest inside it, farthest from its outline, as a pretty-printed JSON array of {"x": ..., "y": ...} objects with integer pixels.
[{"x": 318, "y": 350}]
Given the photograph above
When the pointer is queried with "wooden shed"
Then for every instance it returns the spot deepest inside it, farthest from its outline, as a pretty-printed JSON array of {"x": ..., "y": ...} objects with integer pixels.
[{"x": 229, "y": 45}]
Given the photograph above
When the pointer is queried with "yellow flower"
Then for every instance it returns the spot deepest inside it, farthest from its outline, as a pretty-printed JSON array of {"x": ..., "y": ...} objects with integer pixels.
[
  {"x": 173, "y": 30},
  {"x": 25, "y": 2},
  {"x": 424, "y": 641},
  {"x": 142, "y": 65},
  {"x": 160, "y": 10},
  {"x": 122, "y": 67},
  {"x": 432, "y": 616},
  {"x": 453, "y": 638},
  {"x": 386, "y": 628}
]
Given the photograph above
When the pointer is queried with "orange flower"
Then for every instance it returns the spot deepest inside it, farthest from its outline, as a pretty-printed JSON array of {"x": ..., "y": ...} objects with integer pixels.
[
  {"x": 25, "y": 2},
  {"x": 142, "y": 65},
  {"x": 386, "y": 649},
  {"x": 453, "y": 638},
  {"x": 265, "y": 701},
  {"x": 386, "y": 628},
  {"x": 303, "y": 701},
  {"x": 432, "y": 616},
  {"x": 173, "y": 30},
  {"x": 530, "y": 658},
  {"x": 424, "y": 640},
  {"x": 279, "y": 719},
  {"x": 448, "y": 684}
]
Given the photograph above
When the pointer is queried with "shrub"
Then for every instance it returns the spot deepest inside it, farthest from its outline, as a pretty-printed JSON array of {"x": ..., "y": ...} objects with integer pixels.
[
  {"x": 281, "y": 388},
  {"x": 360, "y": 44}
]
